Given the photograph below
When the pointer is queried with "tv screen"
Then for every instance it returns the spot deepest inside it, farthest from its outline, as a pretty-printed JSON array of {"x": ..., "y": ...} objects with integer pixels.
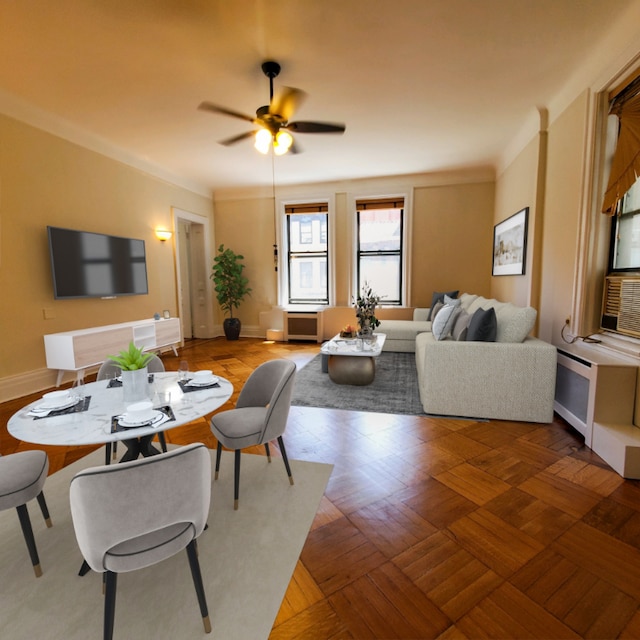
[{"x": 95, "y": 265}]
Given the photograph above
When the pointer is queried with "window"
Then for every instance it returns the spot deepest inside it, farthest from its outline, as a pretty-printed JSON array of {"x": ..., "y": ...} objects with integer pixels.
[
  {"x": 625, "y": 233},
  {"x": 380, "y": 243},
  {"x": 307, "y": 253}
]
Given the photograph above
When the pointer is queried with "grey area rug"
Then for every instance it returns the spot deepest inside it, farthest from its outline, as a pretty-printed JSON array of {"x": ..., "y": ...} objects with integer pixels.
[
  {"x": 394, "y": 389},
  {"x": 247, "y": 559}
]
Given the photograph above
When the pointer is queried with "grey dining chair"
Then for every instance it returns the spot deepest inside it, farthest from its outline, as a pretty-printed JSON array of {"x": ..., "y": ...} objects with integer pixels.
[
  {"x": 135, "y": 514},
  {"x": 22, "y": 477},
  {"x": 108, "y": 369},
  {"x": 260, "y": 416}
]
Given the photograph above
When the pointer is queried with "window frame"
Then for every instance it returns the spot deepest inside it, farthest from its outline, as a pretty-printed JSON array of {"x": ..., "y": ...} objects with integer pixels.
[
  {"x": 404, "y": 251},
  {"x": 282, "y": 244}
]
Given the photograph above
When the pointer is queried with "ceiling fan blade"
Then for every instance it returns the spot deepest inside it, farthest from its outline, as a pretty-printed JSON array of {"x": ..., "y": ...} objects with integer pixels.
[
  {"x": 286, "y": 102},
  {"x": 316, "y": 127},
  {"x": 209, "y": 106},
  {"x": 229, "y": 141}
]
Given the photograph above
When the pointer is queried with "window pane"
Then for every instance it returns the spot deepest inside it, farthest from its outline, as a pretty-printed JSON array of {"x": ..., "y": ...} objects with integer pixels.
[
  {"x": 308, "y": 232},
  {"x": 627, "y": 231},
  {"x": 308, "y": 279},
  {"x": 380, "y": 230},
  {"x": 383, "y": 274},
  {"x": 628, "y": 245}
]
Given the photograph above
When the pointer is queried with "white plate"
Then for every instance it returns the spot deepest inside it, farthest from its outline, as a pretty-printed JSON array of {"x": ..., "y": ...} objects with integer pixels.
[
  {"x": 145, "y": 423},
  {"x": 47, "y": 406},
  {"x": 202, "y": 383}
]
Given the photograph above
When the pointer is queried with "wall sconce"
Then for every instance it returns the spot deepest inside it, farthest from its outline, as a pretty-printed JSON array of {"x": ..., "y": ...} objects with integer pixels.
[{"x": 163, "y": 235}]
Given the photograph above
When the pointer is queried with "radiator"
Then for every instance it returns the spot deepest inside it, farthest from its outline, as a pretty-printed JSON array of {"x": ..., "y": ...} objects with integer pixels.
[{"x": 303, "y": 325}]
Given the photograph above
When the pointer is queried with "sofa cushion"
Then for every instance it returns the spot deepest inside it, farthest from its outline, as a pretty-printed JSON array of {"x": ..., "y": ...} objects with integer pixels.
[
  {"x": 482, "y": 326},
  {"x": 443, "y": 323},
  {"x": 439, "y": 297},
  {"x": 461, "y": 325}
]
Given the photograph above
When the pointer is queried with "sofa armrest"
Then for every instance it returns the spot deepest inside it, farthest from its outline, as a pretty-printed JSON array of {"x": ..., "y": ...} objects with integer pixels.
[{"x": 504, "y": 381}]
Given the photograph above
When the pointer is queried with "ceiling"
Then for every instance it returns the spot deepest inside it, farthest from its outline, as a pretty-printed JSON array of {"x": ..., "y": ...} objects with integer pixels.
[{"x": 422, "y": 85}]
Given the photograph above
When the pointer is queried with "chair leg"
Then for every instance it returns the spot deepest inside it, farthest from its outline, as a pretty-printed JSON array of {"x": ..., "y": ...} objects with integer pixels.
[
  {"x": 266, "y": 448},
  {"x": 27, "y": 532},
  {"x": 45, "y": 510},
  {"x": 236, "y": 480},
  {"x": 163, "y": 442},
  {"x": 194, "y": 564},
  {"x": 107, "y": 453},
  {"x": 111, "y": 581},
  {"x": 218, "y": 456},
  {"x": 115, "y": 450},
  {"x": 284, "y": 457}
]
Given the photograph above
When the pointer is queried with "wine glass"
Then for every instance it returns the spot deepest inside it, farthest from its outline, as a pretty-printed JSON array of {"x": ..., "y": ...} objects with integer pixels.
[{"x": 183, "y": 370}]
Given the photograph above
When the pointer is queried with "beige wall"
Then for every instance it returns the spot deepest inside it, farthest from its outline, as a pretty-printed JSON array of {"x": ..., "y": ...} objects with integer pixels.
[
  {"x": 452, "y": 236},
  {"x": 45, "y": 180},
  {"x": 563, "y": 199},
  {"x": 517, "y": 188}
]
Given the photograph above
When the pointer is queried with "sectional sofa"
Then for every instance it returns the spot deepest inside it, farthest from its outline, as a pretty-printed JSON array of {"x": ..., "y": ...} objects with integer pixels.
[{"x": 511, "y": 377}]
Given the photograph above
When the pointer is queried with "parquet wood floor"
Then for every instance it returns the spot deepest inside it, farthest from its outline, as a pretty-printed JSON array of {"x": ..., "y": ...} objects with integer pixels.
[{"x": 435, "y": 528}]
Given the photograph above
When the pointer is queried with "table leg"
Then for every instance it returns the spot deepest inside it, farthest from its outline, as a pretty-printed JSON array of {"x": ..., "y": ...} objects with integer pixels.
[{"x": 137, "y": 447}]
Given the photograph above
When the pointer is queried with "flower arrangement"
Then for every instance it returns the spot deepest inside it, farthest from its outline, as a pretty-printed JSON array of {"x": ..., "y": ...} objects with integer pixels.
[{"x": 365, "y": 307}]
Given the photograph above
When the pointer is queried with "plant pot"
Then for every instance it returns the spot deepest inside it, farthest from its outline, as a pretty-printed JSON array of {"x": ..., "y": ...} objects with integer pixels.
[
  {"x": 231, "y": 328},
  {"x": 135, "y": 385}
]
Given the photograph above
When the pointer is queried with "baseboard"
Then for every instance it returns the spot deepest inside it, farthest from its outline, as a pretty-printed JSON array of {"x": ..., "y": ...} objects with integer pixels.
[{"x": 23, "y": 384}]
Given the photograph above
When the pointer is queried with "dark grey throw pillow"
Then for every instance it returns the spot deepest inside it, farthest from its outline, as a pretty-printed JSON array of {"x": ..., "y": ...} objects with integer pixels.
[
  {"x": 439, "y": 297},
  {"x": 483, "y": 326}
]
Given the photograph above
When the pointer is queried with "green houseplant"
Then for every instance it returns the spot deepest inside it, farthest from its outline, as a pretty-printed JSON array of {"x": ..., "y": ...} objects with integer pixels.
[
  {"x": 231, "y": 287},
  {"x": 135, "y": 377},
  {"x": 131, "y": 359}
]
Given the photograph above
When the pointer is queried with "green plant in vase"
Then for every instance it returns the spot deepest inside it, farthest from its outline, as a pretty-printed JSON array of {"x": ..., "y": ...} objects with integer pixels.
[
  {"x": 231, "y": 287},
  {"x": 135, "y": 379},
  {"x": 131, "y": 359},
  {"x": 365, "y": 307}
]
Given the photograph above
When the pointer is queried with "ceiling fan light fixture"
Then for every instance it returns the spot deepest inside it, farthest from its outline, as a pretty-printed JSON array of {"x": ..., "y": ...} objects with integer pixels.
[
  {"x": 263, "y": 140},
  {"x": 283, "y": 140}
]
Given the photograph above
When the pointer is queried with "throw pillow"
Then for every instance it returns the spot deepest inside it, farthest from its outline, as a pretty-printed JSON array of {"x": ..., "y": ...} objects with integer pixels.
[
  {"x": 460, "y": 326},
  {"x": 436, "y": 308},
  {"x": 439, "y": 297},
  {"x": 483, "y": 326},
  {"x": 455, "y": 302},
  {"x": 443, "y": 323}
]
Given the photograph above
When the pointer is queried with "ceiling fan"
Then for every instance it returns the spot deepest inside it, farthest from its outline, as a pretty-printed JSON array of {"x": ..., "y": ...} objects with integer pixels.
[{"x": 273, "y": 120}]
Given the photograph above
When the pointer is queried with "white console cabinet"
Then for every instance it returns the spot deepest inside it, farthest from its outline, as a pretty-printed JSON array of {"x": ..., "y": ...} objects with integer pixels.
[{"x": 78, "y": 350}]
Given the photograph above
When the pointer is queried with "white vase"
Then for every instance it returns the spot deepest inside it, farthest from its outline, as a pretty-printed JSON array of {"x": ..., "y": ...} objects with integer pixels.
[{"x": 135, "y": 385}]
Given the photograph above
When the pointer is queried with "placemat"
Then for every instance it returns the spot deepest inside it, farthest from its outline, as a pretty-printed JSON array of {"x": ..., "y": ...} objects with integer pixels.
[
  {"x": 187, "y": 388},
  {"x": 78, "y": 407},
  {"x": 116, "y": 426}
]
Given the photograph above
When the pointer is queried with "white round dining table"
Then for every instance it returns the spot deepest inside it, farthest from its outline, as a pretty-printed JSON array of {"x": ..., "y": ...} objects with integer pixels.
[{"x": 94, "y": 425}]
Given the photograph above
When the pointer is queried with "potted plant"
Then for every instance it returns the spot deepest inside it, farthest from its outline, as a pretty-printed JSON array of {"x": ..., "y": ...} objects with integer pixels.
[
  {"x": 135, "y": 377},
  {"x": 231, "y": 287},
  {"x": 365, "y": 307}
]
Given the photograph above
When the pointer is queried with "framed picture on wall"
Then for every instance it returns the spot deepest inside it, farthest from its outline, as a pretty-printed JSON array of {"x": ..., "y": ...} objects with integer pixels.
[{"x": 510, "y": 245}]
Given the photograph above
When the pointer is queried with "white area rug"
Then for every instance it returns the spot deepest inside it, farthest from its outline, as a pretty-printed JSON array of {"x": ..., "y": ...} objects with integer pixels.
[{"x": 247, "y": 558}]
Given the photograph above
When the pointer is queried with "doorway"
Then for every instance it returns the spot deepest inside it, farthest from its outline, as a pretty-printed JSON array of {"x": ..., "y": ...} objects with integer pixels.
[{"x": 193, "y": 264}]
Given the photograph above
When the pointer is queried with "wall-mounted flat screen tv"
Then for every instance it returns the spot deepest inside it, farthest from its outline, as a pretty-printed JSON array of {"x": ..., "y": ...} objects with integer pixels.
[{"x": 95, "y": 265}]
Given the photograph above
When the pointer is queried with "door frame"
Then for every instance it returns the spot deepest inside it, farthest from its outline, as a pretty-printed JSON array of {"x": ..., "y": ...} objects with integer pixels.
[{"x": 204, "y": 326}]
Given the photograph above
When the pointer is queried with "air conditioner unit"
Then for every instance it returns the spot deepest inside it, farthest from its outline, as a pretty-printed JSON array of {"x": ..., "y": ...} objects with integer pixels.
[{"x": 621, "y": 305}]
